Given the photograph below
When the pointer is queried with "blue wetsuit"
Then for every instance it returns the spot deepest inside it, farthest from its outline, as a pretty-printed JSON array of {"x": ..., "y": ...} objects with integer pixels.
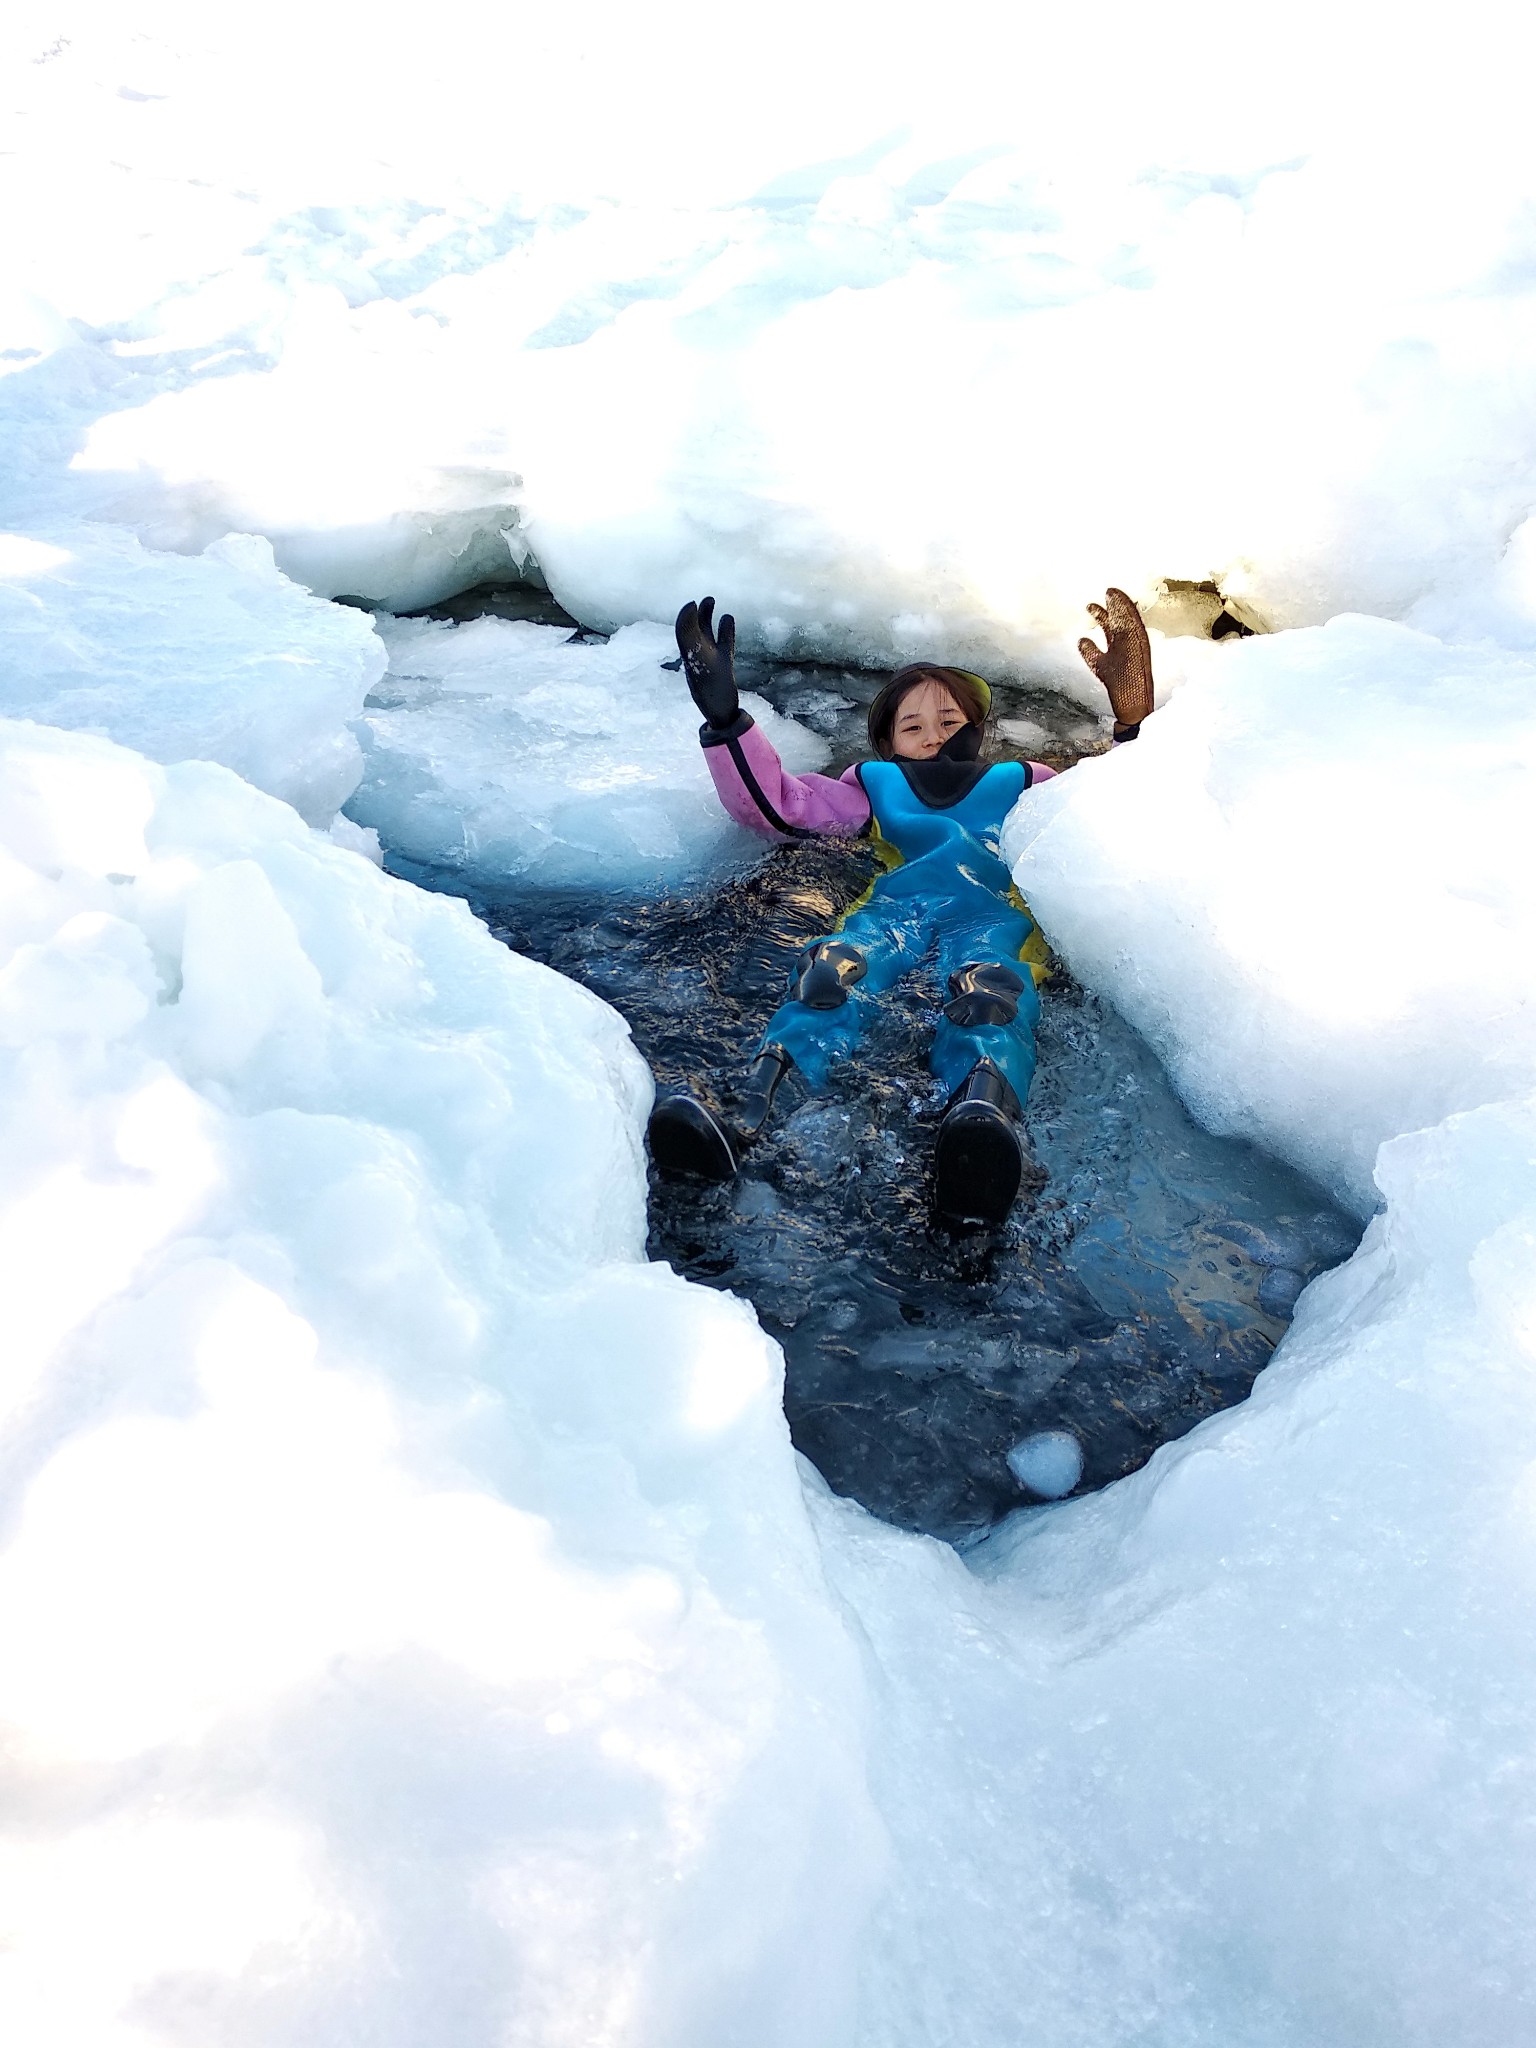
[{"x": 947, "y": 890}]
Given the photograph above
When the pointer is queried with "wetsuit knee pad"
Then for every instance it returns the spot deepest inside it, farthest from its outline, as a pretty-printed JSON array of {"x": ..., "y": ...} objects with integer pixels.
[
  {"x": 984, "y": 992},
  {"x": 825, "y": 972}
]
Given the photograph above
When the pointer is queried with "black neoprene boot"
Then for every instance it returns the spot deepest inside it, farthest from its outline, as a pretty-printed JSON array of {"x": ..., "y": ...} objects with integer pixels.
[
  {"x": 688, "y": 1137},
  {"x": 759, "y": 1088},
  {"x": 980, "y": 1157}
]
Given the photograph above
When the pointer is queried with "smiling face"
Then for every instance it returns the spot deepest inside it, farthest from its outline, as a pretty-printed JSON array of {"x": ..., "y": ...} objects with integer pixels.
[{"x": 926, "y": 718}]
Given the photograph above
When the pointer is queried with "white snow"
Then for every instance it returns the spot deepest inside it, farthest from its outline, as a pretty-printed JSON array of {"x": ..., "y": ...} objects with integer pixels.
[
  {"x": 411, "y": 1624},
  {"x": 411, "y": 1618},
  {"x": 1240, "y": 1749},
  {"x": 906, "y": 347},
  {"x": 215, "y": 657},
  {"x": 1309, "y": 885},
  {"x": 379, "y": 1661},
  {"x": 502, "y": 751}
]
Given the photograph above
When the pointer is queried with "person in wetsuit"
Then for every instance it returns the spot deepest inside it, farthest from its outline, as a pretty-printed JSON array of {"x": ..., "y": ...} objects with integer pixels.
[{"x": 935, "y": 808}]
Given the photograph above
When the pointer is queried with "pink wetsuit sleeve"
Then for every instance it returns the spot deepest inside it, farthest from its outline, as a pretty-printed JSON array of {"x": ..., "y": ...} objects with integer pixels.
[{"x": 755, "y": 789}]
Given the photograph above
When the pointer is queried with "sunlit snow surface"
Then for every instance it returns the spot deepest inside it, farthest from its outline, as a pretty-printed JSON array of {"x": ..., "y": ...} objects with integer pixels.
[
  {"x": 1310, "y": 885},
  {"x": 215, "y": 657},
  {"x": 411, "y": 1625},
  {"x": 931, "y": 336},
  {"x": 374, "y": 1650}
]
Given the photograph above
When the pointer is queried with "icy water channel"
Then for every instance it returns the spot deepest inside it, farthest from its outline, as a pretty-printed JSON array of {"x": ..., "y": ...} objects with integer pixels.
[{"x": 944, "y": 1380}]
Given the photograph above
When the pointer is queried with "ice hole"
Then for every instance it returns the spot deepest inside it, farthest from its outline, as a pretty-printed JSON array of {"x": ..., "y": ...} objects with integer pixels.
[{"x": 1142, "y": 1291}]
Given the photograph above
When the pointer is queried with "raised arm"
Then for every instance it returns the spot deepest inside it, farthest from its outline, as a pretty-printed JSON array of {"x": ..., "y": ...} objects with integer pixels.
[
  {"x": 1124, "y": 667},
  {"x": 750, "y": 778}
]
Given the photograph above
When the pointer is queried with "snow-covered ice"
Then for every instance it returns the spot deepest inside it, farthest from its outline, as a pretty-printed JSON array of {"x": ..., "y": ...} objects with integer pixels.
[
  {"x": 380, "y": 1663},
  {"x": 908, "y": 348},
  {"x": 1240, "y": 1749},
  {"x": 411, "y": 1616},
  {"x": 1309, "y": 885},
  {"x": 503, "y": 752},
  {"x": 215, "y": 657}
]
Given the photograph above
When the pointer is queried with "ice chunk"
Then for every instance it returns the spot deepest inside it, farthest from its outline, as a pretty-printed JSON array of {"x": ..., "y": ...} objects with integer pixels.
[
  {"x": 366, "y": 1488},
  {"x": 1049, "y": 1463},
  {"x": 215, "y": 657},
  {"x": 356, "y": 838},
  {"x": 502, "y": 751},
  {"x": 1269, "y": 1700},
  {"x": 865, "y": 367},
  {"x": 1308, "y": 885}
]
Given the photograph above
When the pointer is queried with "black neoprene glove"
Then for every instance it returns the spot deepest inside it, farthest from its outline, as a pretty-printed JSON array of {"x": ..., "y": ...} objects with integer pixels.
[{"x": 709, "y": 662}]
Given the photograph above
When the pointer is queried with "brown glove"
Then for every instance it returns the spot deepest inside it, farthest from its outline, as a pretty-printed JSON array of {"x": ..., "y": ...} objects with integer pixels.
[{"x": 1124, "y": 667}]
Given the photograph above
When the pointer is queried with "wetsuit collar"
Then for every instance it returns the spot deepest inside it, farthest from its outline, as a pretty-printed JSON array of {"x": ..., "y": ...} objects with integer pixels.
[{"x": 953, "y": 772}]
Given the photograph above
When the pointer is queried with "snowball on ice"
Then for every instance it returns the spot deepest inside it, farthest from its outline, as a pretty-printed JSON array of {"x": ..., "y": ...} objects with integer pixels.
[
  {"x": 214, "y": 657},
  {"x": 500, "y": 750},
  {"x": 1050, "y": 1462},
  {"x": 379, "y": 1659},
  {"x": 1309, "y": 885}
]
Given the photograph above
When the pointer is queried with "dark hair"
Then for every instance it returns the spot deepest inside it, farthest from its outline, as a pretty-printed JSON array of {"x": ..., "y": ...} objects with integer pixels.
[{"x": 968, "y": 691}]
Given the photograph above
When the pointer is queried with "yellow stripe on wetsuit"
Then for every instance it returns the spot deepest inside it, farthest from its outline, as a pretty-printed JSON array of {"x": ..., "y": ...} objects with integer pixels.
[{"x": 1035, "y": 953}]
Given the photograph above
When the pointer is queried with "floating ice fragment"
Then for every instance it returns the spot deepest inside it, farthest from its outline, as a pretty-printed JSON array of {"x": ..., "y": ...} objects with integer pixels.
[
  {"x": 1049, "y": 1463},
  {"x": 216, "y": 657},
  {"x": 506, "y": 752}
]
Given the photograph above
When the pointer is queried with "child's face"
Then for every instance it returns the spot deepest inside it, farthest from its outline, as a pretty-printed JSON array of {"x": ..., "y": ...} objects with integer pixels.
[{"x": 925, "y": 718}]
